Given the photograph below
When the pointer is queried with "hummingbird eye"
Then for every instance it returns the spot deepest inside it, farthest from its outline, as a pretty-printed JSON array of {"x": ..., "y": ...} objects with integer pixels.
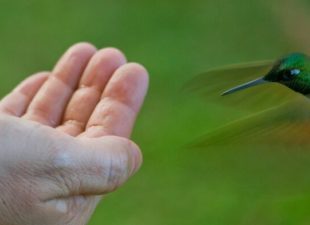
[
  {"x": 295, "y": 72},
  {"x": 287, "y": 75}
]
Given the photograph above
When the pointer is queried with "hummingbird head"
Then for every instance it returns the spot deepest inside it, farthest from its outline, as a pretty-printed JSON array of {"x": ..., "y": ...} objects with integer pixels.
[{"x": 292, "y": 71}]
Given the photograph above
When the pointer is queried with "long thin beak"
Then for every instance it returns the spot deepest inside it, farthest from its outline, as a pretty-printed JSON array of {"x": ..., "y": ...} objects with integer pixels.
[{"x": 246, "y": 85}]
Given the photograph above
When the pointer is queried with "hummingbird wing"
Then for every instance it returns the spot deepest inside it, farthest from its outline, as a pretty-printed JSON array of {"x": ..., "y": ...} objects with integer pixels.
[
  {"x": 211, "y": 84},
  {"x": 286, "y": 125},
  {"x": 217, "y": 80},
  {"x": 264, "y": 158}
]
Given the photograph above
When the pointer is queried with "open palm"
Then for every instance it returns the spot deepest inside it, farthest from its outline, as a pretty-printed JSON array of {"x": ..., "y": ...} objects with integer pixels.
[{"x": 90, "y": 94}]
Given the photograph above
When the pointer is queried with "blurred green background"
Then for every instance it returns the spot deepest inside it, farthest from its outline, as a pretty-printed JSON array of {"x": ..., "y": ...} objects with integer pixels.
[{"x": 174, "y": 40}]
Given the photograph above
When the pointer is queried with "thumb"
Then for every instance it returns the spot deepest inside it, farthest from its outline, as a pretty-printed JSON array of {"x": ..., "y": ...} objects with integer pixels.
[{"x": 98, "y": 165}]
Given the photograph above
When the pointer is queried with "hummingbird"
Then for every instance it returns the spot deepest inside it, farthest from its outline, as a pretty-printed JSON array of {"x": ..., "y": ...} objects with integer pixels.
[
  {"x": 292, "y": 71},
  {"x": 279, "y": 113},
  {"x": 280, "y": 78}
]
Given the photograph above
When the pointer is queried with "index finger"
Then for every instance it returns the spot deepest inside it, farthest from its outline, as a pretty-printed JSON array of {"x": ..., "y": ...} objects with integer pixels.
[{"x": 120, "y": 103}]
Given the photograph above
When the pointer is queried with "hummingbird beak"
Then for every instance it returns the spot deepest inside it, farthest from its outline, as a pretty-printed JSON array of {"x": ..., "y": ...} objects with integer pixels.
[{"x": 246, "y": 85}]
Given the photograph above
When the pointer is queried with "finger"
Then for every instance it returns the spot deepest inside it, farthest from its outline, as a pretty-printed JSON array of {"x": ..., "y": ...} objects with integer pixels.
[
  {"x": 99, "y": 167},
  {"x": 49, "y": 103},
  {"x": 85, "y": 98},
  {"x": 16, "y": 102},
  {"x": 120, "y": 103}
]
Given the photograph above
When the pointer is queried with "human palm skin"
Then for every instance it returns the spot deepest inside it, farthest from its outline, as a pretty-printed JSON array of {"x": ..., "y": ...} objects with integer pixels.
[{"x": 64, "y": 137}]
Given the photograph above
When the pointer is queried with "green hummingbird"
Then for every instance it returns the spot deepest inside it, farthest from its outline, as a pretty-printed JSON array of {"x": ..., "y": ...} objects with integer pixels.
[
  {"x": 293, "y": 71},
  {"x": 277, "y": 114}
]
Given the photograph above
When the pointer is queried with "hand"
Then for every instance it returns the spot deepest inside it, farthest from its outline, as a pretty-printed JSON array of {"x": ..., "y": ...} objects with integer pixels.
[{"x": 64, "y": 137}]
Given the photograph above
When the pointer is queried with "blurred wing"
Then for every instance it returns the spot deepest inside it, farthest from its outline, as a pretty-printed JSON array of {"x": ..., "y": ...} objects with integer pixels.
[
  {"x": 265, "y": 156},
  {"x": 212, "y": 83},
  {"x": 284, "y": 125},
  {"x": 220, "y": 79}
]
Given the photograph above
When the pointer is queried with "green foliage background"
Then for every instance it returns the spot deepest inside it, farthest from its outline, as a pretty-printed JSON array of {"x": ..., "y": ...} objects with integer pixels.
[{"x": 174, "y": 40}]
